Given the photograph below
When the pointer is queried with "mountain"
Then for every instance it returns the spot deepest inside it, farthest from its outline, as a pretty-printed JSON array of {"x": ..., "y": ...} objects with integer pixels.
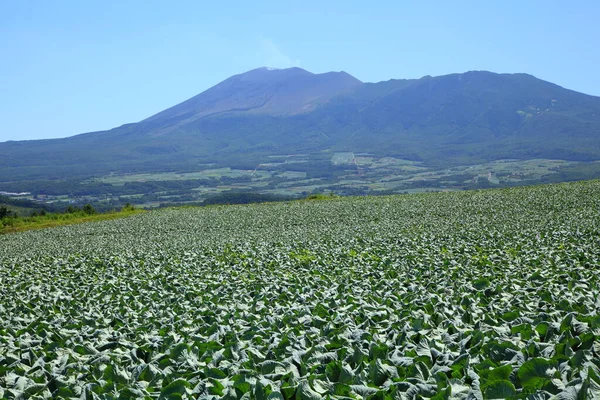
[
  {"x": 447, "y": 120},
  {"x": 260, "y": 91},
  {"x": 473, "y": 117}
]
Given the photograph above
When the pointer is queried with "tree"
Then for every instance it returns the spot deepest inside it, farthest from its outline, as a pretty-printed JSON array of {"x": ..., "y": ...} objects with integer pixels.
[
  {"x": 71, "y": 210},
  {"x": 88, "y": 209},
  {"x": 4, "y": 213},
  {"x": 128, "y": 207}
]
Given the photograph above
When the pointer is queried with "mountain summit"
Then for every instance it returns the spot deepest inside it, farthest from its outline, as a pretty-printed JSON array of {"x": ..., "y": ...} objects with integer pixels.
[{"x": 259, "y": 91}]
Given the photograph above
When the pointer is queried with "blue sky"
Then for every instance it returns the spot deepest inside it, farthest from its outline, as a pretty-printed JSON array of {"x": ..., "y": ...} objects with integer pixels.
[{"x": 68, "y": 67}]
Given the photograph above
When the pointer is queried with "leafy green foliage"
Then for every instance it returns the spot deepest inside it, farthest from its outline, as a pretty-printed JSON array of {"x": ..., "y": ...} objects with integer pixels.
[
  {"x": 88, "y": 209},
  {"x": 242, "y": 198},
  {"x": 488, "y": 295},
  {"x": 5, "y": 212}
]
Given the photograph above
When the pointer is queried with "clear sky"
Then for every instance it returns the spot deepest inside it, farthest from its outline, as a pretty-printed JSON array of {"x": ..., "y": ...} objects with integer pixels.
[{"x": 68, "y": 67}]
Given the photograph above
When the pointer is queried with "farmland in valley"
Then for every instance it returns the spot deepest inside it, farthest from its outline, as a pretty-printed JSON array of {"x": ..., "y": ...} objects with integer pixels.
[
  {"x": 471, "y": 294},
  {"x": 289, "y": 176}
]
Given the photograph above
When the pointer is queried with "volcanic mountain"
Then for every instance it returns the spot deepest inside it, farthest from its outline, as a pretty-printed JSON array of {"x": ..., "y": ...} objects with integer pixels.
[{"x": 454, "y": 119}]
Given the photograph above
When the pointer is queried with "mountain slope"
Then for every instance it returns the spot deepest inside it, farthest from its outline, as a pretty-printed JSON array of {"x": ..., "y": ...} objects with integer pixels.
[
  {"x": 498, "y": 115},
  {"x": 447, "y": 120},
  {"x": 260, "y": 91}
]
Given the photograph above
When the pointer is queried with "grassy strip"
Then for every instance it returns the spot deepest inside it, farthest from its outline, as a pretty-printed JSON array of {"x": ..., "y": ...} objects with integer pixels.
[
  {"x": 21, "y": 224},
  {"x": 51, "y": 220}
]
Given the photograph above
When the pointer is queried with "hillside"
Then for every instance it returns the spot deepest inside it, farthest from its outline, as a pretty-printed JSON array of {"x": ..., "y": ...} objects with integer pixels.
[
  {"x": 472, "y": 117},
  {"x": 260, "y": 91},
  {"x": 443, "y": 121}
]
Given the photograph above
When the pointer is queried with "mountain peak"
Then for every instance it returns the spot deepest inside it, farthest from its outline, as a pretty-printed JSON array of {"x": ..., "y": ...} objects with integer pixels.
[
  {"x": 263, "y": 90},
  {"x": 271, "y": 74},
  {"x": 289, "y": 69}
]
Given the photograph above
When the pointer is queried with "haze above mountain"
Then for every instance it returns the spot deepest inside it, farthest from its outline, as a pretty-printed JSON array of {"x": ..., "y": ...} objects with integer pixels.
[{"x": 447, "y": 120}]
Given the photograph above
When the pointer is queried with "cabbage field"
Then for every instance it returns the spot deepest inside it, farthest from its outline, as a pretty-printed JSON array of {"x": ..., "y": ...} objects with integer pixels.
[{"x": 464, "y": 295}]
